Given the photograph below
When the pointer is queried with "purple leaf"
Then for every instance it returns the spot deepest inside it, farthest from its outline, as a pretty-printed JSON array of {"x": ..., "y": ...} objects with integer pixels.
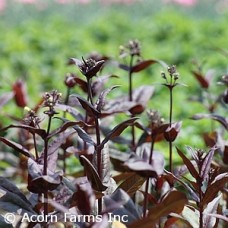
[
  {"x": 173, "y": 202},
  {"x": 18, "y": 147},
  {"x": 216, "y": 117},
  {"x": 12, "y": 199},
  {"x": 74, "y": 112},
  {"x": 225, "y": 154},
  {"x": 124, "y": 67},
  {"x": 118, "y": 158},
  {"x": 105, "y": 165},
  {"x": 64, "y": 127},
  {"x": 84, "y": 197},
  {"x": 101, "y": 100},
  {"x": 223, "y": 217},
  {"x": 37, "y": 182},
  {"x": 171, "y": 178},
  {"x": 141, "y": 96},
  {"x": 32, "y": 130},
  {"x": 118, "y": 139},
  {"x": 88, "y": 107},
  {"x": 122, "y": 204},
  {"x": 158, "y": 161},
  {"x": 141, "y": 167},
  {"x": 93, "y": 175},
  {"x": 172, "y": 131},
  {"x": 84, "y": 136},
  {"x": 53, "y": 148},
  {"x": 118, "y": 130},
  {"x": 118, "y": 106},
  {"x": 207, "y": 163},
  {"x": 204, "y": 83},
  {"x": 208, "y": 220},
  {"x": 214, "y": 188},
  {"x": 5, "y": 98},
  {"x": 132, "y": 184},
  {"x": 86, "y": 68},
  {"x": 143, "y": 65},
  {"x": 81, "y": 133},
  {"x": 20, "y": 93},
  {"x": 99, "y": 83},
  {"x": 189, "y": 164}
]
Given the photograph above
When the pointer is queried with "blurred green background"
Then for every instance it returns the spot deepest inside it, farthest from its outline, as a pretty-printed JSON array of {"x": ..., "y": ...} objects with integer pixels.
[{"x": 36, "y": 41}]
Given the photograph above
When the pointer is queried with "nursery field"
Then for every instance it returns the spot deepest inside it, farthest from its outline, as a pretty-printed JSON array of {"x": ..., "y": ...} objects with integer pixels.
[
  {"x": 36, "y": 45},
  {"x": 114, "y": 109}
]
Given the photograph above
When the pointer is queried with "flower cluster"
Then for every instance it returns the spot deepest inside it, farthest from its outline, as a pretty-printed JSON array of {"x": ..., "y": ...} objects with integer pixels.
[
  {"x": 133, "y": 48},
  {"x": 155, "y": 118},
  {"x": 174, "y": 76},
  {"x": 31, "y": 118},
  {"x": 50, "y": 101}
]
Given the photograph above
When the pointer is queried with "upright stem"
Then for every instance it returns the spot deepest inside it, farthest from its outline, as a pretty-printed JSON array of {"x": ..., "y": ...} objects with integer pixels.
[
  {"x": 171, "y": 105},
  {"x": 45, "y": 165},
  {"x": 46, "y": 146},
  {"x": 99, "y": 159},
  {"x": 201, "y": 209},
  {"x": 66, "y": 100},
  {"x": 98, "y": 148},
  {"x": 170, "y": 157},
  {"x": 35, "y": 146},
  {"x": 131, "y": 99},
  {"x": 170, "y": 123},
  {"x": 148, "y": 179},
  {"x": 130, "y": 78},
  {"x": 98, "y": 137},
  {"x": 89, "y": 90},
  {"x": 201, "y": 216},
  {"x": 64, "y": 115}
]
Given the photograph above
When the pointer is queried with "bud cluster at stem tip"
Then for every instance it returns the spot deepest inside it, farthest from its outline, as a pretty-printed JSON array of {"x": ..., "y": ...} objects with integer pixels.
[{"x": 174, "y": 75}]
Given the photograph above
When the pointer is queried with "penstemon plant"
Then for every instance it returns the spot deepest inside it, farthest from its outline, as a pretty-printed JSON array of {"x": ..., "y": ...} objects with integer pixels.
[
  {"x": 174, "y": 128},
  {"x": 121, "y": 182},
  {"x": 132, "y": 50}
]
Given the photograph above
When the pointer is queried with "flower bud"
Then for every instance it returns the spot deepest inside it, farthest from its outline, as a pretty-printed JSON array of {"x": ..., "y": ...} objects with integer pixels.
[
  {"x": 20, "y": 93},
  {"x": 225, "y": 96},
  {"x": 171, "y": 132},
  {"x": 70, "y": 81}
]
